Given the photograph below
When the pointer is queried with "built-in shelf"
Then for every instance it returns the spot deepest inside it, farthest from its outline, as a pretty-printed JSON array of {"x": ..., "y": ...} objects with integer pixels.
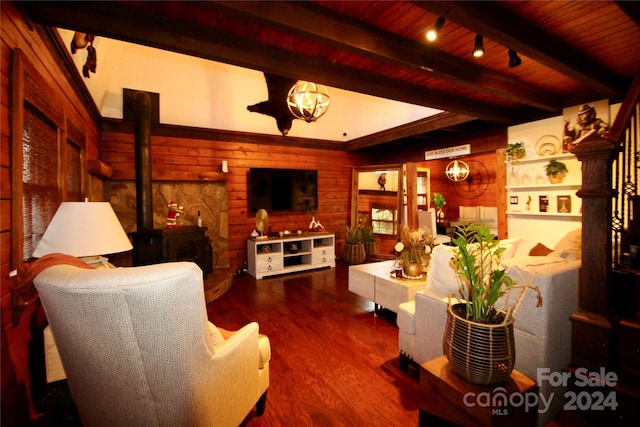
[
  {"x": 544, "y": 159},
  {"x": 547, "y": 214},
  {"x": 544, "y": 187}
]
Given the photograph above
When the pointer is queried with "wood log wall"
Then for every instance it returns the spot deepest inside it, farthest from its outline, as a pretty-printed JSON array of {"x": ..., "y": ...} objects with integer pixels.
[
  {"x": 21, "y": 347},
  {"x": 175, "y": 158},
  {"x": 194, "y": 158}
]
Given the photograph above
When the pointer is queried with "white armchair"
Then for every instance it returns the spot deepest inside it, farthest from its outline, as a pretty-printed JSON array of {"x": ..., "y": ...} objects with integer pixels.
[
  {"x": 489, "y": 217},
  {"x": 468, "y": 212},
  {"x": 137, "y": 348}
]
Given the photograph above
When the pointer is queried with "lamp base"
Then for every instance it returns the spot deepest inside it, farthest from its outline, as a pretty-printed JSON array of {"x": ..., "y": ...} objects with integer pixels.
[{"x": 97, "y": 261}]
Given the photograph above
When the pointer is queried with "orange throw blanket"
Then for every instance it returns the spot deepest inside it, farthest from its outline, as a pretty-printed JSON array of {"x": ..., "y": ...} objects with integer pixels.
[{"x": 30, "y": 270}]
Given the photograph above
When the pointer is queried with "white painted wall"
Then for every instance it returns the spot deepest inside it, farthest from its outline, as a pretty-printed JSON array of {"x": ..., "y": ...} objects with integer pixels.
[
  {"x": 201, "y": 93},
  {"x": 547, "y": 230}
]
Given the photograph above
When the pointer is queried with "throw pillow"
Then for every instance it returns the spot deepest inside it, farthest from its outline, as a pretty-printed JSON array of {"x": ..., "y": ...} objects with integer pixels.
[
  {"x": 511, "y": 245},
  {"x": 540, "y": 250},
  {"x": 570, "y": 246},
  {"x": 524, "y": 247},
  {"x": 441, "y": 278}
]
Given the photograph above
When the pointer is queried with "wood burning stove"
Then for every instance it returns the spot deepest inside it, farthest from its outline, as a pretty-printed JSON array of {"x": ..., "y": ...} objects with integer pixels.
[
  {"x": 152, "y": 246},
  {"x": 185, "y": 243}
]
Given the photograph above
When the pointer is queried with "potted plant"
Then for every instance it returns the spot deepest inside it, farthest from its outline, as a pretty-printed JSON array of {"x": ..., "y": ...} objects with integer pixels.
[
  {"x": 438, "y": 200},
  {"x": 353, "y": 252},
  {"x": 478, "y": 340},
  {"x": 414, "y": 249},
  {"x": 369, "y": 240},
  {"x": 556, "y": 171},
  {"x": 515, "y": 151}
]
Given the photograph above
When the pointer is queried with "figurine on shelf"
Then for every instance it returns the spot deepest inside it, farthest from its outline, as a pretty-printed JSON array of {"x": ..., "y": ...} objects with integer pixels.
[{"x": 174, "y": 212}]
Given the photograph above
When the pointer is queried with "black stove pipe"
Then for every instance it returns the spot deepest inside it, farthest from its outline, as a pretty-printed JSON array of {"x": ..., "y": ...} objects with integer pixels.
[{"x": 142, "y": 147}]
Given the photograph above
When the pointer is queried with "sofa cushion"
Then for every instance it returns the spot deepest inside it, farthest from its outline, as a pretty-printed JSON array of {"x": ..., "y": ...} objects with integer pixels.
[
  {"x": 524, "y": 247},
  {"x": 531, "y": 261},
  {"x": 441, "y": 278},
  {"x": 510, "y": 246},
  {"x": 570, "y": 246}
]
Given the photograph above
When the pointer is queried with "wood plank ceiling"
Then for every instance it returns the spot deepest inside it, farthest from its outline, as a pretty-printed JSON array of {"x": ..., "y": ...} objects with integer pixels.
[{"x": 572, "y": 51}]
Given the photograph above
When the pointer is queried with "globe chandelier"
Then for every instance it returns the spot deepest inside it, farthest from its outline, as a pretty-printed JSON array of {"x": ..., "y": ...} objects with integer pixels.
[
  {"x": 308, "y": 101},
  {"x": 457, "y": 170}
]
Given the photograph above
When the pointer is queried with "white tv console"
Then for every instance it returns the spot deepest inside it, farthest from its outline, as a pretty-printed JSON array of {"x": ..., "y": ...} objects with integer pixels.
[{"x": 292, "y": 253}]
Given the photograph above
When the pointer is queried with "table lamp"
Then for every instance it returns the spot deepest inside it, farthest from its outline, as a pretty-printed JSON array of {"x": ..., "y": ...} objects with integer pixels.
[{"x": 86, "y": 230}]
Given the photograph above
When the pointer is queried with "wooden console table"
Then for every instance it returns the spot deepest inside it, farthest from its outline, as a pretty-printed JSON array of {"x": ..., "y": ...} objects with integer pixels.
[{"x": 450, "y": 400}]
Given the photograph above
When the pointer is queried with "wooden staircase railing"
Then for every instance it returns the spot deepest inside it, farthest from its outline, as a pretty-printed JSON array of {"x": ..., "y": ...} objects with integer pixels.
[{"x": 602, "y": 339}]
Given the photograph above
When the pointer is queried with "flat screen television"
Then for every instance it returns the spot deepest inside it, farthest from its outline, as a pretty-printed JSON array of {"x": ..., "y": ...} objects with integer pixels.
[{"x": 283, "y": 189}]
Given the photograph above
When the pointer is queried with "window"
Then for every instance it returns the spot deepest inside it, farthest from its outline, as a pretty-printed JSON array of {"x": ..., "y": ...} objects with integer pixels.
[
  {"x": 383, "y": 220},
  {"x": 48, "y": 158}
]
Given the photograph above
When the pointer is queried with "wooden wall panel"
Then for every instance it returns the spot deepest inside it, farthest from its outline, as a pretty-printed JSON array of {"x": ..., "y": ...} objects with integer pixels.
[
  {"x": 190, "y": 159},
  {"x": 17, "y": 342},
  {"x": 441, "y": 184}
]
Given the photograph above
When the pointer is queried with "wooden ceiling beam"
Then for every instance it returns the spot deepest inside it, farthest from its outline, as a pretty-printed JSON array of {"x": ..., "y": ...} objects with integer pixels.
[
  {"x": 124, "y": 22},
  {"x": 511, "y": 30},
  {"x": 429, "y": 124},
  {"x": 325, "y": 26}
]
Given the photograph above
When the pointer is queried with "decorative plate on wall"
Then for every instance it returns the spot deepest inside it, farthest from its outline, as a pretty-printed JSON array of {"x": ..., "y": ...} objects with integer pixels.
[
  {"x": 548, "y": 145},
  {"x": 476, "y": 183}
]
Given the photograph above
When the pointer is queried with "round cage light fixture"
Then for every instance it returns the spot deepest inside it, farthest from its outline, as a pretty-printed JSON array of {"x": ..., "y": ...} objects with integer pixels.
[
  {"x": 457, "y": 170},
  {"x": 308, "y": 101}
]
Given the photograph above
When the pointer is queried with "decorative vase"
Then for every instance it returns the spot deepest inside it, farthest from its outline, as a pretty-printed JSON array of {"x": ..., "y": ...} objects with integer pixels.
[
  {"x": 480, "y": 353},
  {"x": 412, "y": 270},
  {"x": 371, "y": 248},
  {"x": 354, "y": 253}
]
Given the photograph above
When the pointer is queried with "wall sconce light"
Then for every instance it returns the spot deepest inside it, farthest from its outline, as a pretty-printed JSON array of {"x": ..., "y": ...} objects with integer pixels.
[
  {"x": 478, "y": 49},
  {"x": 457, "y": 170},
  {"x": 308, "y": 101},
  {"x": 432, "y": 34},
  {"x": 514, "y": 59}
]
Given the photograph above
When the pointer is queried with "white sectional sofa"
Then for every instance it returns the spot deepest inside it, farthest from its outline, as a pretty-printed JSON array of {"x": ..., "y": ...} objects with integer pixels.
[{"x": 542, "y": 335}]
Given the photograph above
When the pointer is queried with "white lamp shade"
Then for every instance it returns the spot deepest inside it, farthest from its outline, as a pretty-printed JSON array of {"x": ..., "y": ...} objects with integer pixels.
[{"x": 83, "y": 229}]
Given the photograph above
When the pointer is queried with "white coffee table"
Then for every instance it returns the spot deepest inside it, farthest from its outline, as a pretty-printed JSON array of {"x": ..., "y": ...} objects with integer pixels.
[{"x": 375, "y": 282}]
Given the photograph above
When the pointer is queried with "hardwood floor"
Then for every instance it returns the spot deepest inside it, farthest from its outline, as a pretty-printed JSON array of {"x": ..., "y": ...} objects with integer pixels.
[{"x": 333, "y": 363}]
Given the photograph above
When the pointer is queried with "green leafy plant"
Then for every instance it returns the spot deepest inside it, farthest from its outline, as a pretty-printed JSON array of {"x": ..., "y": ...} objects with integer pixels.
[
  {"x": 516, "y": 151},
  {"x": 476, "y": 260},
  {"x": 354, "y": 235},
  {"x": 438, "y": 200},
  {"x": 555, "y": 168},
  {"x": 414, "y": 245},
  {"x": 367, "y": 235}
]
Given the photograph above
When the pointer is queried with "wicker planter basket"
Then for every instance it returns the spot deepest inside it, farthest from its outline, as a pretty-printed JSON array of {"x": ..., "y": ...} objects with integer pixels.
[
  {"x": 354, "y": 254},
  {"x": 480, "y": 353},
  {"x": 371, "y": 248}
]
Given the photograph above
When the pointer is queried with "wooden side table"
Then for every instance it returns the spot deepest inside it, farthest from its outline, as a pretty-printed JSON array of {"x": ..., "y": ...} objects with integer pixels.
[{"x": 450, "y": 400}]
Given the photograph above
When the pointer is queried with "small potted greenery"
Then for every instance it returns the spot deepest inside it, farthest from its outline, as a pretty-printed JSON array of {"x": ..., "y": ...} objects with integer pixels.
[
  {"x": 478, "y": 332},
  {"x": 438, "y": 200},
  {"x": 369, "y": 240},
  {"x": 515, "y": 151},
  {"x": 353, "y": 252},
  {"x": 556, "y": 171}
]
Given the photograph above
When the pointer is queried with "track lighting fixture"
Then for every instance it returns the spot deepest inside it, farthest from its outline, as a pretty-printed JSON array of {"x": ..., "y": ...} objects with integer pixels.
[
  {"x": 432, "y": 34},
  {"x": 478, "y": 49},
  {"x": 514, "y": 59}
]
